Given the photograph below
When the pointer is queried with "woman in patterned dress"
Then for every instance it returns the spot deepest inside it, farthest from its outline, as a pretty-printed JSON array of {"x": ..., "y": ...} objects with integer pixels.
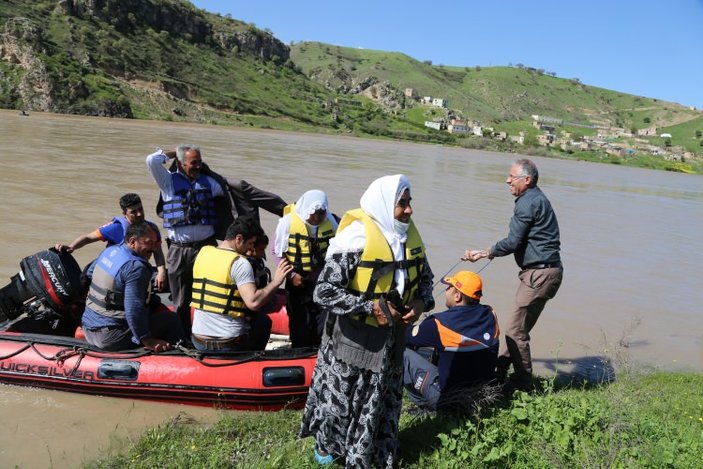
[{"x": 356, "y": 394}]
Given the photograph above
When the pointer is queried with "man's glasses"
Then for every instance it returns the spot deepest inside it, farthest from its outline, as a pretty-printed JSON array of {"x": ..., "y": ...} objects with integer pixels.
[{"x": 515, "y": 178}]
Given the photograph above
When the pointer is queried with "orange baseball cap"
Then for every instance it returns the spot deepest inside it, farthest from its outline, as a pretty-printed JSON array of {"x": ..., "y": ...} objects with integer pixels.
[{"x": 466, "y": 282}]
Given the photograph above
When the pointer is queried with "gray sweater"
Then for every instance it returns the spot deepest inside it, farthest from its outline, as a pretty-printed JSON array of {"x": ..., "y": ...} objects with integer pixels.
[{"x": 534, "y": 231}]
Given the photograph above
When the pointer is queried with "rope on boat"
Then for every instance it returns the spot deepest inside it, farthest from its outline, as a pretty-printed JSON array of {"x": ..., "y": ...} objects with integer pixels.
[
  {"x": 17, "y": 352},
  {"x": 199, "y": 357},
  {"x": 66, "y": 353},
  {"x": 435, "y": 295}
]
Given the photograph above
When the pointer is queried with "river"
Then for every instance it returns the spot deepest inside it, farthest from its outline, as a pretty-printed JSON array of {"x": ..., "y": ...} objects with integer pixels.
[{"x": 631, "y": 245}]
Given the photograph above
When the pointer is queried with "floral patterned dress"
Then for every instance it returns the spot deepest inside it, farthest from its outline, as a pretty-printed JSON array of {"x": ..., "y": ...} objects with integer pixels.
[{"x": 352, "y": 412}]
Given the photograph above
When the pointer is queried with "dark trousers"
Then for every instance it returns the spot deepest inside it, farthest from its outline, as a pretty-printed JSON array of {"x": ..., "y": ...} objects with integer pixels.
[
  {"x": 179, "y": 263},
  {"x": 537, "y": 286},
  {"x": 305, "y": 319},
  {"x": 421, "y": 380}
]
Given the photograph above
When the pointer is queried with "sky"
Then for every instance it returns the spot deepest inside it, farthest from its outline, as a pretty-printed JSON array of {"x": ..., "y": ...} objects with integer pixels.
[{"x": 645, "y": 47}]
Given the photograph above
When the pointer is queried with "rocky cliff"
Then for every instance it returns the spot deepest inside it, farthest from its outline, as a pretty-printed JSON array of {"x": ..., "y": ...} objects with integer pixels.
[
  {"x": 20, "y": 46},
  {"x": 77, "y": 56}
]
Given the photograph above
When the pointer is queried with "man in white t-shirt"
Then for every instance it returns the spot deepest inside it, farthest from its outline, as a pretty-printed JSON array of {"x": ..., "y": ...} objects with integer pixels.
[{"x": 225, "y": 296}]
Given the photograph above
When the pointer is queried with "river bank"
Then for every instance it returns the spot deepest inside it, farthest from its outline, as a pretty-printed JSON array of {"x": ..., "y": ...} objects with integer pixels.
[{"x": 644, "y": 419}]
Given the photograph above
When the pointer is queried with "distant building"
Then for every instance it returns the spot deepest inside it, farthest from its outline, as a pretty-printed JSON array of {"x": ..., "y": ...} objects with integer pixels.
[
  {"x": 457, "y": 127},
  {"x": 439, "y": 102},
  {"x": 434, "y": 125},
  {"x": 647, "y": 132},
  {"x": 410, "y": 93},
  {"x": 546, "y": 139}
]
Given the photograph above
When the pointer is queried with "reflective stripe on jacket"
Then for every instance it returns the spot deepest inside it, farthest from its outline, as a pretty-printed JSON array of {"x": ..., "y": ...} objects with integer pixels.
[
  {"x": 214, "y": 291},
  {"x": 192, "y": 202},
  {"x": 306, "y": 252},
  {"x": 376, "y": 270}
]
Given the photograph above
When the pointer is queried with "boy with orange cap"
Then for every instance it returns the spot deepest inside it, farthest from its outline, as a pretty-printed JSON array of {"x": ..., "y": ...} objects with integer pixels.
[{"x": 466, "y": 339}]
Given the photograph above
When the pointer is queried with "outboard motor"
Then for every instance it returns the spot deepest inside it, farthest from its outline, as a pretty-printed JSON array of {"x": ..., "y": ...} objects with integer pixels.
[{"x": 47, "y": 281}]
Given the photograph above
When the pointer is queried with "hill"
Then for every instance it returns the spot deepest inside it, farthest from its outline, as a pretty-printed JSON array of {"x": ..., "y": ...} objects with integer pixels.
[
  {"x": 497, "y": 95},
  {"x": 166, "y": 59}
]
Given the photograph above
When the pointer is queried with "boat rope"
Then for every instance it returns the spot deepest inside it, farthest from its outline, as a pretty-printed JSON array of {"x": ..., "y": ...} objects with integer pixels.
[
  {"x": 66, "y": 353},
  {"x": 17, "y": 352},
  {"x": 200, "y": 357},
  {"x": 435, "y": 295},
  {"x": 448, "y": 272}
]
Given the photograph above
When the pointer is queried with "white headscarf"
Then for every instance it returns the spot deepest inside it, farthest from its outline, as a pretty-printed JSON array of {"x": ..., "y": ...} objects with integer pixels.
[
  {"x": 308, "y": 203},
  {"x": 379, "y": 203}
]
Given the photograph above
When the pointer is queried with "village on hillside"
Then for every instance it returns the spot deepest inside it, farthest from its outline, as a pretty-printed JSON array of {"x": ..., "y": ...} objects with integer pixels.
[{"x": 611, "y": 140}]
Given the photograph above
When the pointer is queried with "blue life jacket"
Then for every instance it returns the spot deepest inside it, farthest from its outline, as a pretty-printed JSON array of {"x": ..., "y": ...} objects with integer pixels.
[
  {"x": 103, "y": 298},
  {"x": 192, "y": 202},
  {"x": 122, "y": 221}
]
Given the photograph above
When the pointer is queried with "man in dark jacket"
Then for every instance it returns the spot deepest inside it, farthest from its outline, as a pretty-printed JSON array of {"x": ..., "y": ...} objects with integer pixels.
[
  {"x": 465, "y": 337},
  {"x": 534, "y": 241}
]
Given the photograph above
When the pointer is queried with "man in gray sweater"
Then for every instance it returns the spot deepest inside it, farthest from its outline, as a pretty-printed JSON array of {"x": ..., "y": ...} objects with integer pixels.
[{"x": 534, "y": 241}]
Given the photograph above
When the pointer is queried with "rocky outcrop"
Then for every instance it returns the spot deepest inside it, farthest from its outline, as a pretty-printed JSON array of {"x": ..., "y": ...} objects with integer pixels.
[
  {"x": 178, "y": 19},
  {"x": 255, "y": 42},
  {"x": 19, "y": 44},
  {"x": 385, "y": 94}
]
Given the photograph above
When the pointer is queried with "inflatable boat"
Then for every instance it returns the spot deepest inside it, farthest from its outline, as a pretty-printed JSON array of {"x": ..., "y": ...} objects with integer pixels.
[{"x": 38, "y": 347}]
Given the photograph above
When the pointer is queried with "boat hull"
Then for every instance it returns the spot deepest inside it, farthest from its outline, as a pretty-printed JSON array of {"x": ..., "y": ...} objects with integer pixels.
[{"x": 268, "y": 380}]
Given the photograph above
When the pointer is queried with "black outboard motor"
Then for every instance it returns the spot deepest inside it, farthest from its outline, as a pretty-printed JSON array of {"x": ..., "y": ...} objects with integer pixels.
[{"x": 47, "y": 281}]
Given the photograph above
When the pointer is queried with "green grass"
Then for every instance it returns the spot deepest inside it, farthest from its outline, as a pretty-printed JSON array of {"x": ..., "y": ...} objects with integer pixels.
[
  {"x": 685, "y": 134},
  {"x": 650, "y": 419}
]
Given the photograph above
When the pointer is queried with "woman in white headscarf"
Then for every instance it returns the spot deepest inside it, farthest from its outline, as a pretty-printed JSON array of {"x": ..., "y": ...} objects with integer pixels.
[
  {"x": 375, "y": 282},
  {"x": 302, "y": 237}
]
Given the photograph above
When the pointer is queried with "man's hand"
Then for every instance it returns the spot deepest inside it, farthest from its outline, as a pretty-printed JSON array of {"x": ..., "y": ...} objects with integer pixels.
[
  {"x": 473, "y": 256},
  {"x": 63, "y": 248},
  {"x": 160, "y": 279},
  {"x": 282, "y": 270},
  {"x": 413, "y": 312},
  {"x": 155, "y": 345}
]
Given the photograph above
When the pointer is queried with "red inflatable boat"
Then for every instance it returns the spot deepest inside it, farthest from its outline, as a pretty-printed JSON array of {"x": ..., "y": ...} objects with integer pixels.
[{"x": 266, "y": 380}]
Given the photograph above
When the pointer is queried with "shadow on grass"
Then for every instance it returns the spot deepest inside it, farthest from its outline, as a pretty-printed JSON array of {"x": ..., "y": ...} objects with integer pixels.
[{"x": 587, "y": 371}]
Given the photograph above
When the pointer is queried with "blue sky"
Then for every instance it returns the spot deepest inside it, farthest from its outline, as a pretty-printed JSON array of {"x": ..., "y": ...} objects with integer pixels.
[{"x": 647, "y": 48}]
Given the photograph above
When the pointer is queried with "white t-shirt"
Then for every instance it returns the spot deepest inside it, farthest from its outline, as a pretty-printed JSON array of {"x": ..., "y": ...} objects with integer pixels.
[{"x": 221, "y": 325}]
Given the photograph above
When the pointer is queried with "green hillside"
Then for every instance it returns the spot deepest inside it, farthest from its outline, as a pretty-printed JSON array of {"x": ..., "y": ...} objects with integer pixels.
[{"x": 493, "y": 95}]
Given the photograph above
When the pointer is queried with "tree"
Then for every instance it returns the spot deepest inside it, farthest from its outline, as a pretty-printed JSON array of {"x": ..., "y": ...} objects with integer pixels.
[
  {"x": 646, "y": 120},
  {"x": 698, "y": 134}
]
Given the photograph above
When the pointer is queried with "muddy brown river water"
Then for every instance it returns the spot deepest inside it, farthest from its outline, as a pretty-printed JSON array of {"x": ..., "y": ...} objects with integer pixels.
[{"x": 631, "y": 242}]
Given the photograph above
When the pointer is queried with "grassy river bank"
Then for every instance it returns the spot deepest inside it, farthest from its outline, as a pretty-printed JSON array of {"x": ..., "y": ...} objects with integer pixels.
[{"x": 640, "y": 419}]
